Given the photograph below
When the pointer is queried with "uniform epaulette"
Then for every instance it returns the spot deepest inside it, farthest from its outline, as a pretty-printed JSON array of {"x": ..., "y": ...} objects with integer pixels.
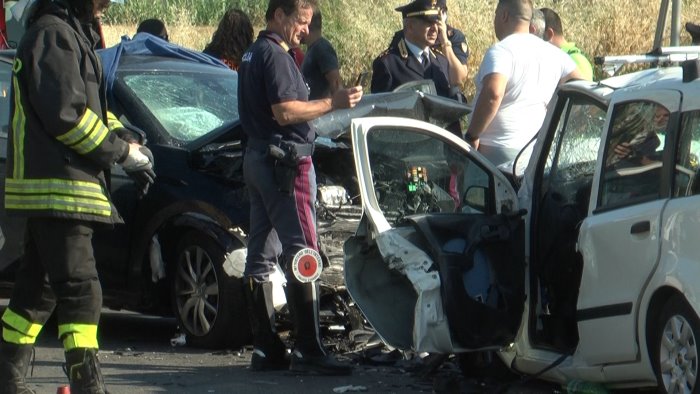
[
  {"x": 403, "y": 51},
  {"x": 386, "y": 52},
  {"x": 435, "y": 52}
]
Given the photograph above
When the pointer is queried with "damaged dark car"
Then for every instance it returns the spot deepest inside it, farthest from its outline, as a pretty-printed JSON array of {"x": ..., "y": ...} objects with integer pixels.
[{"x": 182, "y": 249}]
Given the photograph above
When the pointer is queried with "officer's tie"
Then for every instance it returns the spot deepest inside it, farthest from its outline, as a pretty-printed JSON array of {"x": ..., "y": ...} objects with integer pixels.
[{"x": 425, "y": 60}]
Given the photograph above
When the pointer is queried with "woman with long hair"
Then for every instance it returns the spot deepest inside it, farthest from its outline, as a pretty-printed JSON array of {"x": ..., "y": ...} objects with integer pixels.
[{"x": 232, "y": 37}]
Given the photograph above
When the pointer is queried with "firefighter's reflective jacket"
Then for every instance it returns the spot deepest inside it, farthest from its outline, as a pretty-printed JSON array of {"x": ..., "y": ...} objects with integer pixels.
[{"x": 59, "y": 145}]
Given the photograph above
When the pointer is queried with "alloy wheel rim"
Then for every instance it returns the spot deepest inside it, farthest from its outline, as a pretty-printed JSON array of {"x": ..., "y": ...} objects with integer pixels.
[
  {"x": 678, "y": 356},
  {"x": 196, "y": 291}
]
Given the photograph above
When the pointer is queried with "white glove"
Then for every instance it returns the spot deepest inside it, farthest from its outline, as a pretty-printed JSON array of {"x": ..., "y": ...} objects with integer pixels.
[{"x": 136, "y": 160}]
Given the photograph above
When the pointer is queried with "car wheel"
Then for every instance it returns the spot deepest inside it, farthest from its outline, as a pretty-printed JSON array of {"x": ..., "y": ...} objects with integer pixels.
[
  {"x": 676, "y": 348},
  {"x": 208, "y": 304}
]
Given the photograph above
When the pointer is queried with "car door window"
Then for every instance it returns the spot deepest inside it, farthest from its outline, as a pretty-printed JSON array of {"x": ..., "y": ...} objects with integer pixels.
[
  {"x": 572, "y": 156},
  {"x": 633, "y": 154},
  {"x": 418, "y": 173},
  {"x": 687, "y": 174}
]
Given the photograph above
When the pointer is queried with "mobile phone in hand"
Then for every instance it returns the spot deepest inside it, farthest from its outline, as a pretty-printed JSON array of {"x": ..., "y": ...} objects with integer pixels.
[{"x": 361, "y": 78}]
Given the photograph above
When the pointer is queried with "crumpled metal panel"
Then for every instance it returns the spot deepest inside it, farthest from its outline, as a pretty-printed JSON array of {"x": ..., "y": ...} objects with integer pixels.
[{"x": 437, "y": 110}]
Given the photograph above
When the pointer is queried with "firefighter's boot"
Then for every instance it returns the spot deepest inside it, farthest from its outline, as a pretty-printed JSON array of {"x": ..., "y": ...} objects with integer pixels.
[
  {"x": 14, "y": 362},
  {"x": 309, "y": 356},
  {"x": 83, "y": 370},
  {"x": 269, "y": 352}
]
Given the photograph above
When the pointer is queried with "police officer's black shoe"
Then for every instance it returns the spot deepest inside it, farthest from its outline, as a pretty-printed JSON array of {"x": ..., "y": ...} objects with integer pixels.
[
  {"x": 14, "y": 362},
  {"x": 321, "y": 364},
  {"x": 260, "y": 361},
  {"x": 83, "y": 370}
]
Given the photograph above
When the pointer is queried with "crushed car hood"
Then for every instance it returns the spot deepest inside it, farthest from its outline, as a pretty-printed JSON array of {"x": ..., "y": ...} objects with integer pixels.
[{"x": 438, "y": 110}]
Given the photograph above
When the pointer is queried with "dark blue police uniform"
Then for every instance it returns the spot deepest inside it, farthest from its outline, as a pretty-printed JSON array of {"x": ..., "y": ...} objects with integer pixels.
[
  {"x": 279, "y": 222},
  {"x": 397, "y": 66},
  {"x": 281, "y": 181},
  {"x": 459, "y": 43}
]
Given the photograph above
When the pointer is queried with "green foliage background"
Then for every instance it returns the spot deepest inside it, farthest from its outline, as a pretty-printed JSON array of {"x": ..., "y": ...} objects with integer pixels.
[{"x": 361, "y": 29}]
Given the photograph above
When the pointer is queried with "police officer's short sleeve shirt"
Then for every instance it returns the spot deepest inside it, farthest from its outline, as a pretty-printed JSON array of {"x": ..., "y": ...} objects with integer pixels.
[{"x": 268, "y": 76}]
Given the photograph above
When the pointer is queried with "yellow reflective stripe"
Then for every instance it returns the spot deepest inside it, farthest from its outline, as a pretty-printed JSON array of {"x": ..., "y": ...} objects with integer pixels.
[
  {"x": 19, "y": 324},
  {"x": 113, "y": 122},
  {"x": 78, "y": 336},
  {"x": 79, "y": 132},
  {"x": 60, "y": 186},
  {"x": 57, "y": 194},
  {"x": 16, "y": 337},
  {"x": 58, "y": 203},
  {"x": 19, "y": 122},
  {"x": 87, "y": 135}
]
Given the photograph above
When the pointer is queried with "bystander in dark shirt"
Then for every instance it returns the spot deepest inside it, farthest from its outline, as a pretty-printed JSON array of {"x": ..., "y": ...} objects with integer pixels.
[{"x": 320, "y": 59}]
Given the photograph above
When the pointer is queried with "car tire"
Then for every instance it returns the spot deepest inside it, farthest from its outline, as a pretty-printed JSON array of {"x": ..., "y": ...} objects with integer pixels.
[
  {"x": 209, "y": 305},
  {"x": 675, "y": 348}
]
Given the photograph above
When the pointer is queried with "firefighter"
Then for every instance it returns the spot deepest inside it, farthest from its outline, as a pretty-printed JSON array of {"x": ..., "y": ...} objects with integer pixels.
[{"x": 59, "y": 148}]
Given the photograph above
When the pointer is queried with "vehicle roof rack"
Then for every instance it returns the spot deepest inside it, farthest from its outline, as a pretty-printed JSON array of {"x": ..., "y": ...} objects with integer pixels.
[{"x": 612, "y": 64}]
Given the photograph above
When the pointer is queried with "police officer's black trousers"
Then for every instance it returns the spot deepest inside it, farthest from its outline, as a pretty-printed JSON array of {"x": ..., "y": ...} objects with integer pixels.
[{"x": 57, "y": 272}]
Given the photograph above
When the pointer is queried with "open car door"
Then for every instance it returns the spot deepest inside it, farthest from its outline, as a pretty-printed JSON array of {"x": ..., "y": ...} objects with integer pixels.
[{"x": 437, "y": 264}]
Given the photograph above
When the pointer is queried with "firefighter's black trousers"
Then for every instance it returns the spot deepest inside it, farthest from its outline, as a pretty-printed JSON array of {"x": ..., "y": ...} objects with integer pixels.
[{"x": 57, "y": 272}]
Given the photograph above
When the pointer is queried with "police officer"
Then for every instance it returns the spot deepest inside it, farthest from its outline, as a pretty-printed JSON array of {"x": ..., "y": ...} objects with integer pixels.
[
  {"x": 275, "y": 114},
  {"x": 59, "y": 148},
  {"x": 452, "y": 43},
  {"x": 413, "y": 57}
]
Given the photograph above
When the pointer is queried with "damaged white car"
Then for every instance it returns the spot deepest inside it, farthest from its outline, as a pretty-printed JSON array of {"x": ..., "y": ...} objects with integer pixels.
[{"x": 589, "y": 273}]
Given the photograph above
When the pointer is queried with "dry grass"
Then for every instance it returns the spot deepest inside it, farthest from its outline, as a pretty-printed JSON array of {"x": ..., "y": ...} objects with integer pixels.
[{"x": 361, "y": 29}]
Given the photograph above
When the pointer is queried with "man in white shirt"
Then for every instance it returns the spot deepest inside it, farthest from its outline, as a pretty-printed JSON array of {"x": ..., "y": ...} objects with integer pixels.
[{"x": 516, "y": 80}]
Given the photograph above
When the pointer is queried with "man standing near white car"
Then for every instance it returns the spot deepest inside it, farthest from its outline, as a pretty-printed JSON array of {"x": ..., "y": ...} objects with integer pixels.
[{"x": 516, "y": 80}]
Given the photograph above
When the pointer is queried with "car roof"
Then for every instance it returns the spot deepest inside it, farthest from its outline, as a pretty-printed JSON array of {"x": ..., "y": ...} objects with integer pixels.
[
  {"x": 137, "y": 63},
  {"x": 670, "y": 78}
]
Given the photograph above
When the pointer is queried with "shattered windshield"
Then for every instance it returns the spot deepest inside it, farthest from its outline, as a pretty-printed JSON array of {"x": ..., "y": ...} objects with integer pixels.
[
  {"x": 415, "y": 173},
  {"x": 187, "y": 105}
]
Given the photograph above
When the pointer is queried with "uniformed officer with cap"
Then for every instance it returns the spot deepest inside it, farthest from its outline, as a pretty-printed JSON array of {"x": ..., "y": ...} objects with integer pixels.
[
  {"x": 413, "y": 58},
  {"x": 453, "y": 44}
]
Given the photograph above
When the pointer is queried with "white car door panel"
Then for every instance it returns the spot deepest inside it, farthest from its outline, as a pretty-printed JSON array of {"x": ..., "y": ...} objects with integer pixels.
[
  {"x": 620, "y": 239},
  {"x": 427, "y": 198}
]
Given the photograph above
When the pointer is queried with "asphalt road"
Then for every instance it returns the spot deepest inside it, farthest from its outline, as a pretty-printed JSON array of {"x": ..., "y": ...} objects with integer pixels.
[{"x": 137, "y": 357}]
